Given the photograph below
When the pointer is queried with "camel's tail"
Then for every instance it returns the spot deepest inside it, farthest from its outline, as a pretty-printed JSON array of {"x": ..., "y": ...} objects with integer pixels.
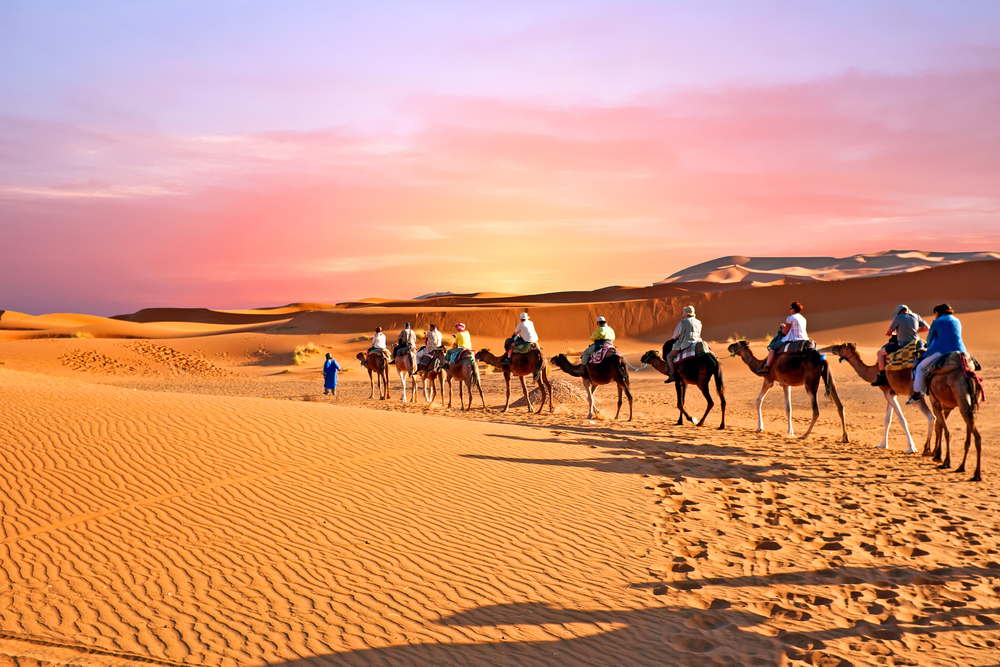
[
  {"x": 978, "y": 394},
  {"x": 718, "y": 378},
  {"x": 828, "y": 383}
]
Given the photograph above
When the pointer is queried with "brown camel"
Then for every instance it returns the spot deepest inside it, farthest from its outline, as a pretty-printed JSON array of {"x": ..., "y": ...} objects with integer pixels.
[
  {"x": 956, "y": 387},
  {"x": 611, "y": 369},
  {"x": 406, "y": 365},
  {"x": 697, "y": 371},
  {"x": 793, "y": 369},
  {"x": 520, "y": 366},
  {"x": 377, "y": 367},
  {"x": 900, "y": 384},
  {"x": 464, "y": 371},
  {"x": 429, "y": 370}
]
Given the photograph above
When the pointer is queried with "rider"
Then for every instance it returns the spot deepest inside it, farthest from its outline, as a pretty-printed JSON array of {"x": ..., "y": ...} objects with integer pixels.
[
  {"x": 523, "y": 333},
  {"x": 406, "y": 338},
  {"x": 602, "y": 336},
  {"x": 793, "y": 328},
  {"x": 378, "y": 342},
  {"x": 907, "y": 326},
  {"x": 432, "y": 341},
  {"x": 463, "y": 341},
  {"x": 944, "y": 338},
  {"x": 686, "y": 333}
]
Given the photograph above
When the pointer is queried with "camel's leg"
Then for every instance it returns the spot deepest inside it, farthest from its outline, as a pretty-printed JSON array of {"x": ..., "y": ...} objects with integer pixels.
[
  {"x": 721, "y": 390},
  {"x": 929, "y": 415},
  {"x": 479, "y": 386},
  {"x": 887, "y": 422},
  {"x": 815, "y": 407},
  {"x": 944, "y": 455},
  {"x": 449, "y": 393},
  {"x": 757, "y": 402},
  {"x": 371, "y": 380},
  {"x": 788, "y": 409},
  {"x": 703, "y": 385},
  {"x": 524, "y": 388},
  {"x": 589, "y": 388},
  {"x": 619, "y": 410},
  {"x": 911, "y": 447},
  {"x": 840, "y": 411},
  {"x": 678, "y": 386},
  {"x": 548, "y": 392},
  {"x": 628, "y": 395},
  {"x": 506, "y": 380}
]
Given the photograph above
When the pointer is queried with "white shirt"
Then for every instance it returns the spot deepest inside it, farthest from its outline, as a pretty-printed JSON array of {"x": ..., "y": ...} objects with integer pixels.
[
  {"x": 379, "y": 341},
  {"x": 433, "y": 339},
  {"x": 526, "y": 330},
  {"x": 797, "y": 330}
]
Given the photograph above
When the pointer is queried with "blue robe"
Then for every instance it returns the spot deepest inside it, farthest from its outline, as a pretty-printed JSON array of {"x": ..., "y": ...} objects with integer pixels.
[{"x": 330, "y": 369}]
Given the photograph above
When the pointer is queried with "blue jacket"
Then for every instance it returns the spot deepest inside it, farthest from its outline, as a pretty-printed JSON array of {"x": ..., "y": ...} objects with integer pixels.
[{"x": 945, "y": 336}]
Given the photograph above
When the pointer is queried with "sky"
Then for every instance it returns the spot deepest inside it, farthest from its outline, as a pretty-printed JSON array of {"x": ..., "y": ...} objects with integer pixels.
[{"x": 232, "y": 154}]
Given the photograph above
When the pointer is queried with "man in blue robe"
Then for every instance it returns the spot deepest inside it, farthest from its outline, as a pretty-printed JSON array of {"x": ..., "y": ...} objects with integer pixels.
[{"x": 330, "y": 369}]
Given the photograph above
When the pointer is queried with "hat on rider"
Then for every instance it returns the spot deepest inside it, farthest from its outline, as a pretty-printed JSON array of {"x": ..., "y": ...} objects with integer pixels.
[
  {"x": 601, "y": 320},
  {"x": 901, "y": 308},
  {"x": 524, "y": 316},
  {"x": 460, "y": 326},
  {"x": 378, "y": 329},
  {"x": 943, "y": 309},
  {"x": 689, "y": 310}
]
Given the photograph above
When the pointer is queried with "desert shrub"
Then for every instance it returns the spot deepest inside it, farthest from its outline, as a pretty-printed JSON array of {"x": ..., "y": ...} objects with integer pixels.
[
  {"x": 359, "y": 339},
  {"x": 303, "y": 352},
  {"x": 80, "y": 334}
]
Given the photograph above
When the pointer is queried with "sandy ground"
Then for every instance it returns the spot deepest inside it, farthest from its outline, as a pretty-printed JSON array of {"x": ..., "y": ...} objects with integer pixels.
[{"x": 187, "y": 501}]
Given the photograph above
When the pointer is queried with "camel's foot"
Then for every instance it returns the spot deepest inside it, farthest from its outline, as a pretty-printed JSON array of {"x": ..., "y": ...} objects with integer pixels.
[
  {"x": 722, "y": 427},
  {"x": 760, "y": 429},
  {"x": 845, "y": 440},
  {"x": 911, "y": 450},
  {"x": 944, "y": 465},
  {"x": 882, "y": 445},
  {"x": 960, "y": 468},
  {"x": 976, "y": 478},
  {"x": 680, "y": 422}
]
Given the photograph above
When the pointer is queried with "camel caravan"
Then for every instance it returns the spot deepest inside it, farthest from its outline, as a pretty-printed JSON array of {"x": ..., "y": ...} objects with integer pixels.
[{"x": 937, "y": 377}]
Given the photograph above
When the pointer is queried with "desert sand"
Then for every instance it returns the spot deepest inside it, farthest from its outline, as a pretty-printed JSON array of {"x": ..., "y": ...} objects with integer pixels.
[{"x": 177, "y": 491}]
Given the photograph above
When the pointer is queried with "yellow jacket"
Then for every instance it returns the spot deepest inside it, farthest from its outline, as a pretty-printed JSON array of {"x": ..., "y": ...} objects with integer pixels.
[
  {"x": 603, "y": 333},
  {"x": 463, "y": 339}
]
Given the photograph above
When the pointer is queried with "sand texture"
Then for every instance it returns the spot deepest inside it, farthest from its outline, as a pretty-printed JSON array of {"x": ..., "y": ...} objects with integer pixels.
[{"x": 195, "y": 499}]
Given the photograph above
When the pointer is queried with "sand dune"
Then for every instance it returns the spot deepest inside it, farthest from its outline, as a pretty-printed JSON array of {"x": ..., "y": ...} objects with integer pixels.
[{"x": 179, "y": 492}]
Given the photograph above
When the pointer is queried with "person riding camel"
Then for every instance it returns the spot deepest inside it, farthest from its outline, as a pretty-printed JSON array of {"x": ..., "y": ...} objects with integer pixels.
[
  {"x": 407, "y": 339},
  {"x": 378, "y": 343},
  {"x": 602, "y": 336},
  {"x": 463, "y": 341},
  {"x": 686, "y": 333},
  {"x": 944, "y": 338},
  {"x": 905, "y": 328},
  {"x": 792, "y": 329},
  {"x": 523, "y": 333},
  {"x": 432, "y": 341}
]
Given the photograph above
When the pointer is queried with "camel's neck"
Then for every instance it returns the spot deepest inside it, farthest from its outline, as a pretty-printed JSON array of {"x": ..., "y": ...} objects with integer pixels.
[
  {"x": 866, "y": 372},
  {"x": 571, "y": 369},
  {"x": 658, "y": 363},
  {"x": 492, "y": 359},
  {"x": 753, "y": 362}
]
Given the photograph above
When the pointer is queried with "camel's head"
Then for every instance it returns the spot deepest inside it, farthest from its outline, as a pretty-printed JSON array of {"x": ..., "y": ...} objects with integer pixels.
[
  {"x": 483, "y": 353},
  {"x": 845, "y": 350},
  {"x": 560, "y": 358},
  {"x": 649, "y": 356},
  {"x": 738, "y": 346},
  {"x": 362, "y": 357}
]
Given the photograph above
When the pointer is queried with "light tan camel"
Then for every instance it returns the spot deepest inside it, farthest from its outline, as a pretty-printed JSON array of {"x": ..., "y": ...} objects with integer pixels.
[
  {"x": 377, "y": 367},
  {"x": 954, "y": 386},
  {"x": 900, "y": 384},
  {"x": 697, "y": 371},
  {"x": 406, "y": 365},
  {"x": 431, "y": 371},
  {"x": 465, "y": 372},
  {"x": 522, "y": 365},
  {"x": 793, "y": 369},
  {"x": 611, "y": 369}
]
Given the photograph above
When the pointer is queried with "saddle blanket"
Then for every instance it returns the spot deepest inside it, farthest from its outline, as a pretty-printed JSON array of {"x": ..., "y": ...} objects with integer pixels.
[
  {"x": 695, "y": 350},
  {"x": 464, "y": 355},
  {"x": 797, "y": 346},
  {"x": 601, "y": 352},
  {"x": 525, "y": 348},
  {"x": 905, "y": 357},
  {"x": 953, "y": 362},
  {"x": 402, "y": 350}
]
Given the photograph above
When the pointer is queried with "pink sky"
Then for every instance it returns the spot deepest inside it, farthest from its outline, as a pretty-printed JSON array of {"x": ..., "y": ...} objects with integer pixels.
[{"x": 238, "y": 156}]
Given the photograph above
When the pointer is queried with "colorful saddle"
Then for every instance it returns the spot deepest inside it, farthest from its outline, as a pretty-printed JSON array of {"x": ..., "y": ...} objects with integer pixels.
[
  {"x": 695, "y": 350},
  {"x": 601, "y": 352},
  {"x": 905, "y": 357}
]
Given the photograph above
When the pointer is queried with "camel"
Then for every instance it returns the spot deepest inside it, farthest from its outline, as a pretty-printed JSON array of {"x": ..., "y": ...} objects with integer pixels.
[
  {"x": 430, "y": 371},
  {"x": 900, "y": 384},
  {"x": 697, "y": 371},
  {"x": 950, "y": 388},
  {"x": 406, "y": 365},
  {"x": 464, "y": 371},
  {"x": 376, "y": 364},
  {"x": 520, "y": 366},
  {"x": 792, "y": 370},
  {"x": 611, "y": 369}
]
